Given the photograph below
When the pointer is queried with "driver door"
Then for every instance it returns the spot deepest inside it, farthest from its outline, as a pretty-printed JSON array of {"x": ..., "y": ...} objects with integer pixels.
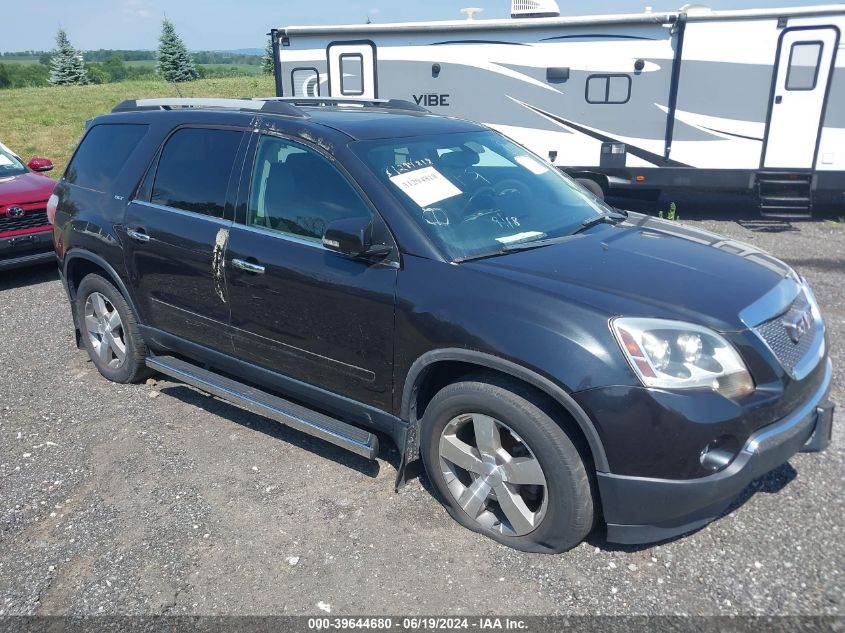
[{"x": 296, "y": 307}]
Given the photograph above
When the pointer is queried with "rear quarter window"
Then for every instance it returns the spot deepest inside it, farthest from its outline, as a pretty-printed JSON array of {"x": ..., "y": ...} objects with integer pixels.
[{"x": 102, "y": 154}]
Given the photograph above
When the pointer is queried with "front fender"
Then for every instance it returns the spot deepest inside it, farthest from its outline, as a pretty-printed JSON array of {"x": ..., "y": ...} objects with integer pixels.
[{"x": 419, "y": 367}]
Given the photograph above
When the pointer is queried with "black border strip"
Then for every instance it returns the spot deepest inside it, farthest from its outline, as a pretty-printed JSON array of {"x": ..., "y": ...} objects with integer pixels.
[
  {"x": 316, "y": 72},
  {"x": 369, "y": 43},
  {"x": 674, "y": 86},
  {"x": 596, "y": 36},
  {"x": 651, "y": 157},
  {"x": 478, "y": 42}
]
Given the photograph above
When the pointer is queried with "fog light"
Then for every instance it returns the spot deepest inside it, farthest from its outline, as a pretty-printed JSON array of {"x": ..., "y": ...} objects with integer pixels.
[{"x": 716, "y": 459}]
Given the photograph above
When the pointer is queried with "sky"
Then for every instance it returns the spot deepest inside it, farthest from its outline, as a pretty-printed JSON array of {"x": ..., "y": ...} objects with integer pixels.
[{"x": 227, "y": 25}]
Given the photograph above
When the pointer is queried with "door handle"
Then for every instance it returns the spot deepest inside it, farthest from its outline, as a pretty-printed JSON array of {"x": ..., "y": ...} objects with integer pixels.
[
  {"x": 250, "y": 267},
  {"x": 138, "y": 234}
]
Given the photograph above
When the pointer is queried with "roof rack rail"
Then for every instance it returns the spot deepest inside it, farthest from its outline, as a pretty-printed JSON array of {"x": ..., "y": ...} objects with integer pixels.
[
  {"x": 394, "y": 104},
  {"x": 255, "y": 105}
]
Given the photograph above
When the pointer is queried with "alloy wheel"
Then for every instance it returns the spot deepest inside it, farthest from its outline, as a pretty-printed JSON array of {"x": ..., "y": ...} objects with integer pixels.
[
  {"x": 493, "y": 474},
  {"x": 105, "y": 330}
]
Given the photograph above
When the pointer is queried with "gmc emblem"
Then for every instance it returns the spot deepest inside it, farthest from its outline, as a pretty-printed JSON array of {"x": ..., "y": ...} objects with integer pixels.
[{"x": 798, "y": 325}]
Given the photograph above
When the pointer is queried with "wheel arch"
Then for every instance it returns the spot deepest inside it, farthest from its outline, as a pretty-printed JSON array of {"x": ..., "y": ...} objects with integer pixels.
[
  {"x": 455, "y": 361},
  {"x": 600, "y": 179},
  {"x": 76, "y": 265}
]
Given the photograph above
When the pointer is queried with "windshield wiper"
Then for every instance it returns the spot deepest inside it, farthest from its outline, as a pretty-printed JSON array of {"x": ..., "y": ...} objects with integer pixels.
[
  {"x": 524, "y": 246},
  {"x": 609, "y": 218}
]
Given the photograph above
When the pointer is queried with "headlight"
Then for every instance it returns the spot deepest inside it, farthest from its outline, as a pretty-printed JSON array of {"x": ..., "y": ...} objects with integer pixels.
[{"x": 679, "y": 355}]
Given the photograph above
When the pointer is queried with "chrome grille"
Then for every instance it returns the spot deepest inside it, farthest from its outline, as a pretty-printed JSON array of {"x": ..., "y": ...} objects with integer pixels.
[
  {"x": 29, "y": 220},
  {"x": 778, "y": 336}
]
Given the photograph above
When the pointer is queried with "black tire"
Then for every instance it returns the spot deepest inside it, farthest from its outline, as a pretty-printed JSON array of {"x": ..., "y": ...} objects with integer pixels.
[
  {"x": 569, "y": 513},
  {"x": 132, "y": 368},
  {"x": 592, "y": 186}
]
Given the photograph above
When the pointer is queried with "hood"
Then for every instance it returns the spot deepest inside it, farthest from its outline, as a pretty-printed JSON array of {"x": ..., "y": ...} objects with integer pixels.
[
  {"x": 25, "y": 188},
  {"x": 649, "y": 267}
]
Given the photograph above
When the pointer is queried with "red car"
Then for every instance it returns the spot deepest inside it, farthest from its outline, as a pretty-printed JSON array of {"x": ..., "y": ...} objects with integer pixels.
[{"x": 25, "y": 231}]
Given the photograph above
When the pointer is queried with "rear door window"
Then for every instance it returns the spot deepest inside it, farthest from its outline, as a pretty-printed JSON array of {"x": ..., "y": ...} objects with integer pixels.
[
  {"x": 194, "y": 169},
  {"x": 102, "y": 154}
]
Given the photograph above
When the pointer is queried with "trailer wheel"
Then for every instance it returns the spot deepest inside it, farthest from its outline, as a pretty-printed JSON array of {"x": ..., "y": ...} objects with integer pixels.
[{"x": 592, "y": 186}]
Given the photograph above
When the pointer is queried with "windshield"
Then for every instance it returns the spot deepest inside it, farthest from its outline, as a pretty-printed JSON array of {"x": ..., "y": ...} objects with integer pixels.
[
  {"x": 477, "y": 193},
  {"x": 10, "y": 165}
]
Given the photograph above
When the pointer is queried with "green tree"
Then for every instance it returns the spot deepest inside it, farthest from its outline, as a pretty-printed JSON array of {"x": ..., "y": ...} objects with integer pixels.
[
  {"x": 96, "y": 73},
  {"x": 173, "y": 61},
  {"x": 66, "y": 65},
  {"x": 5, "y": 79},
  {"x": 114, "y": 67},
  {"x": 267, "y": 61}
]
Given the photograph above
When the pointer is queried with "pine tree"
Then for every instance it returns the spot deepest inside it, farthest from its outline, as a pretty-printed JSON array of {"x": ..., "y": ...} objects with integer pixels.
[
  {"x": 267, "y": 65},
  {"x": 173, "y": 61},
  {"x": 66, "y": 65}
]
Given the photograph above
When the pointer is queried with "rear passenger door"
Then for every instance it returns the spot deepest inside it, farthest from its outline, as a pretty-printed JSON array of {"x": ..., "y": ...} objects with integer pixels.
[
  {"x": 176, "y": 232},
  {"x": 297, "y": 308}
]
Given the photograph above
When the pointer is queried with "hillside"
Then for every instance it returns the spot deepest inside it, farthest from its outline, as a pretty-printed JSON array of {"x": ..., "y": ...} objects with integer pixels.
[{"x": 49, "y": 121}]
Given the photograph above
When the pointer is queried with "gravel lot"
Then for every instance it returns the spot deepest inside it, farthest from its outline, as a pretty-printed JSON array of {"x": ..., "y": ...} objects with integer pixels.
[{"x": 155, "y": 498}]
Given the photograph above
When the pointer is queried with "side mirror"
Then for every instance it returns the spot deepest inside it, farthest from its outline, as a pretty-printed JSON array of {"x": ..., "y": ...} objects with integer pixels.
[
  {"x": 39, "y": 163},
  {"x": 353, "y": 237}
]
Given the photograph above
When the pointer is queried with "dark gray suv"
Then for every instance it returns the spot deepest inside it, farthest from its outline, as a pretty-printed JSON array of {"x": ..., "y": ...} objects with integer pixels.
[{"x": 364, "y": 269}]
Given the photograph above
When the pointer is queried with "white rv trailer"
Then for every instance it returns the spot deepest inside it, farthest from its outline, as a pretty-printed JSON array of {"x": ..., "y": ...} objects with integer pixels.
[{"x": 750, "y": 100}]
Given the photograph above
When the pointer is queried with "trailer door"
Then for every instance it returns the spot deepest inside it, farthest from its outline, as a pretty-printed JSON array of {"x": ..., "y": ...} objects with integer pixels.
[
  {"x": 352, "y": 69},
  {"x": 802, "y": 71}
]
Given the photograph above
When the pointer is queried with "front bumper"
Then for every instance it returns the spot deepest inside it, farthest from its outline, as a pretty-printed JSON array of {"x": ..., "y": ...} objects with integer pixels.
[
  {"x": 26, "y": 250},
  {"x": 645, "y": 510}
]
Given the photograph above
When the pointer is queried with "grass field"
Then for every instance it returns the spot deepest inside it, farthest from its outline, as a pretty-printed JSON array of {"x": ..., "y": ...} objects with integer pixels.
[
  {"x": 49, "y": 121},
  {"x": 10, "y": 59},
  {"x": 253, "y": 69}
]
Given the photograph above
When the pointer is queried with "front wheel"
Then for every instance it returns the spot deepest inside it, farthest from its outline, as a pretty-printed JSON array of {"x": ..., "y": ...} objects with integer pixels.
[
  {"x": 592, "y": 186},
  {"x": 503, "y": 467},
  {"x": 110, "y": 331}
]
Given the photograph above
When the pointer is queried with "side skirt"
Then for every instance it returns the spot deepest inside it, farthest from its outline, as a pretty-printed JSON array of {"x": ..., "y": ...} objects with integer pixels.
[
  {"x": 288, "y": 413},
  {"x": 342, "y": 408}
]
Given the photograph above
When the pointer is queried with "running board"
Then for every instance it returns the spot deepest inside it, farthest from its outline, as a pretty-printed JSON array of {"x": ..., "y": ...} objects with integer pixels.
[{"x": 296, "y": 416}]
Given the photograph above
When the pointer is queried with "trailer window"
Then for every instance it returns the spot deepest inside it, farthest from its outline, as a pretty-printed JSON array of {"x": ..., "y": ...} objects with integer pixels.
[
  {"x": 305, "y": 82},
  {"x": 613, "y": 89},
  {"x": 352, "y": 75},
  {"x": 803, "y": 71}
]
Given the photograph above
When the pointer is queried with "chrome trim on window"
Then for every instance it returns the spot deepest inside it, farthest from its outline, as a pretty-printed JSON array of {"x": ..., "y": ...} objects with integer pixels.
[
  {"x": 190, "y": 214},
  {"x": 282, "y": 235}
]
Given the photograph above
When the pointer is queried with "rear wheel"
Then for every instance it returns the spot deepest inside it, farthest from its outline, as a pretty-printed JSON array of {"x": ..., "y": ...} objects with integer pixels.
[
  {"x": 503, "y": 467},
  {"x": 110, "y": 331}
]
